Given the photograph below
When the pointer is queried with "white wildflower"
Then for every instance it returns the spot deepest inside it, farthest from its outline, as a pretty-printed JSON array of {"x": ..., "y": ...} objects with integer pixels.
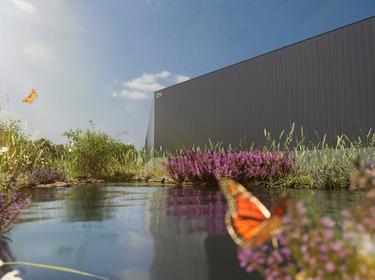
[
  {"x": 3, "y": 150},
  {"x": 13, "y": 275}
]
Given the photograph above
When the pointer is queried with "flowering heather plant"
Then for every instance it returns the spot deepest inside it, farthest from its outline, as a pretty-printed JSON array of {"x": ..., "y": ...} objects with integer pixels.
[
  {"x": 363, "y": 176},
  {"x": 242, "y": 166},
  {"x": 318, "y": 248},
  {"x": 45, "y": 175},
  {"x": 314, "y": 249},
  {"x": 10, "y": 207}
]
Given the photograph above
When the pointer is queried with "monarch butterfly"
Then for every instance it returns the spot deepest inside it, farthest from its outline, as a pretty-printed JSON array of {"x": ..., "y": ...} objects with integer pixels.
[
  {"x": 248, "y": 221},
  {"x": 31, "y": 97}
]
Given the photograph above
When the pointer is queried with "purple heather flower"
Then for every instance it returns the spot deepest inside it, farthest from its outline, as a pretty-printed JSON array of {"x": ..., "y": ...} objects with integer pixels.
[
  {"x": 312, "y": 261},
  {"x": 327, "y": 222},
  {"x": 285, "y": 251},
  {"x": 328, "y": 234},
  {"x": 45, "y": 175},
  {"x": 330, "y": 267},
  {"x": 244, "y": 167},
  {"x": 323, "y": 249},
  {"x": 303, "y": 249},
  {"x": 337, "y": 246}
]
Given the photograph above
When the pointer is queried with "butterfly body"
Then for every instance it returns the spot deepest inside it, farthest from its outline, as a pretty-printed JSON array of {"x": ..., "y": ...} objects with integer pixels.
[
  {"x": 248, "y": 221},
  {"x": 31, "y": 97}
]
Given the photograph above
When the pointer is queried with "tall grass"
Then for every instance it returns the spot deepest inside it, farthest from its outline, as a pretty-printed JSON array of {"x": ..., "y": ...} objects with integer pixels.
[
  {"x": 22, "y": 154},
  {"x": 328, "y": 165}
]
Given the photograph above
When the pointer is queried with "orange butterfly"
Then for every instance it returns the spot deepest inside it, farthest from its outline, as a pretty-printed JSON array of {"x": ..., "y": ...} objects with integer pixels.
[
  {"x": 31, "y": 98},
  {"x": 248, "y": 221}
]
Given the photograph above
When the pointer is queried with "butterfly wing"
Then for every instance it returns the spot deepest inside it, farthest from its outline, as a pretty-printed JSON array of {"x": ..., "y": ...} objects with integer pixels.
[
  {"x": 31, "y": 97},
  {"x": 28, "y": 100},
  {"x": 33, "y": 94},
  {"x": 269, "y": 229},
  {"x": 281, "y": 207},
  {"x": 246, "y": 214}
]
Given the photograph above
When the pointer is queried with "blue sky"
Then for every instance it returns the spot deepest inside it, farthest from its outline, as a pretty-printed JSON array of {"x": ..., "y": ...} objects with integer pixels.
[{"x": 100, "y": 60}]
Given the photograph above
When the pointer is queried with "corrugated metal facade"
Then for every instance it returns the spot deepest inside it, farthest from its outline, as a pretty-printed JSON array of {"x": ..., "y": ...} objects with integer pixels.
[{"x": 325, "y": 84}]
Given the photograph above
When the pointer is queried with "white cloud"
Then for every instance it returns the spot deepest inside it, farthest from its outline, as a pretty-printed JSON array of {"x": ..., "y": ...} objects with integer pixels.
[
  {"x": 135, "y": 95},
  {"x": 142, "y": 84},
  {"x": 24, "y": 6},
  {"x": 181, "y": 78},
  {"x": 164, "y": 74},
  {"x": 142, "y": 87}
]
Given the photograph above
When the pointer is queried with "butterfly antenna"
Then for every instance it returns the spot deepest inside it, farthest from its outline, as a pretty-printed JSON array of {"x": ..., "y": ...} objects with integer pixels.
[{"x": 275, "y": 243}]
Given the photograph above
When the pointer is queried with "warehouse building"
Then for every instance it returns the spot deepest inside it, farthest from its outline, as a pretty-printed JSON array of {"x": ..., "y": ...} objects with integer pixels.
[{"x": 325, "y": 84}]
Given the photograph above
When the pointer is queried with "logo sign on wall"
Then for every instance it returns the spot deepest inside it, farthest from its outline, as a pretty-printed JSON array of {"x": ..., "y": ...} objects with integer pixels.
[{"x": 157, "y": 94}]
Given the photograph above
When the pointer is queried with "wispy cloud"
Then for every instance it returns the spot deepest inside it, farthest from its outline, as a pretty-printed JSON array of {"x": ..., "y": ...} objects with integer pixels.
[
  {"x": 181, "y": 78},
  {"x": 38, "y": 53},
  {"x": 142, "y": 87},
  {"x": 24, "y": 6},
  {"x": 133, "y": 94}
]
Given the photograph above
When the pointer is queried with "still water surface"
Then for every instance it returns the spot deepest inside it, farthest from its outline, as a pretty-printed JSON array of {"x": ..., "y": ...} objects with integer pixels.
[{"x": 140, "y": 232}]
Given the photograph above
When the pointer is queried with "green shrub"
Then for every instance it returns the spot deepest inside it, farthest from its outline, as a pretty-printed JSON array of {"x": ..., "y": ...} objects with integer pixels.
[
  {"x": 96, "y": 154},
  {"x": 51, "y": 152}
]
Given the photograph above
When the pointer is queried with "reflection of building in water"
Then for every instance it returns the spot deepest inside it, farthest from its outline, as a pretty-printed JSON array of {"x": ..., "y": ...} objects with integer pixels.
[
  {"x": 221, "y": 254},
  {"x": 180, "y": 221}
]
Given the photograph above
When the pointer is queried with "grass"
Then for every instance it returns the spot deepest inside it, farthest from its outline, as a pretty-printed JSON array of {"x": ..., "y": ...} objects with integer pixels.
[
  {"x": 328, "y": 165},
  {"x": 94, "y": 154}
]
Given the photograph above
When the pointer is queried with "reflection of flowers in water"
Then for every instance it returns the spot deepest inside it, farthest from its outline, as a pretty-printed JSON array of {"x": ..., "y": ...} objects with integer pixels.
[
  {"x": 317, "y": 248},
  {"x": 204, "y": 208}
]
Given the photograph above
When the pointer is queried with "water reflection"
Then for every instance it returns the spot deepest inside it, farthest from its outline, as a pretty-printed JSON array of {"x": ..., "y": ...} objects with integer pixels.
[
  {"x": 318, "y": 202},
  {"x": 88, "y": 205},
  {"x": 204, "y": 209},
  {"x": 150, "y": 233},
  {"x": 80, "y": 203},
  {"x": 190, "y": 240}
]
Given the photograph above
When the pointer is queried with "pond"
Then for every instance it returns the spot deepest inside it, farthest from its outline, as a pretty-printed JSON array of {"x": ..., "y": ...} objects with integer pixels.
[{"x": 140, "y": 232}]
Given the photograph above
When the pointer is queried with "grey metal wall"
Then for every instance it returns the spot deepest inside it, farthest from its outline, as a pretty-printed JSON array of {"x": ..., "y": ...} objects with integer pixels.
[
  {"x": 151, "y": 129},
  {"x": 325, "y": 84}
]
